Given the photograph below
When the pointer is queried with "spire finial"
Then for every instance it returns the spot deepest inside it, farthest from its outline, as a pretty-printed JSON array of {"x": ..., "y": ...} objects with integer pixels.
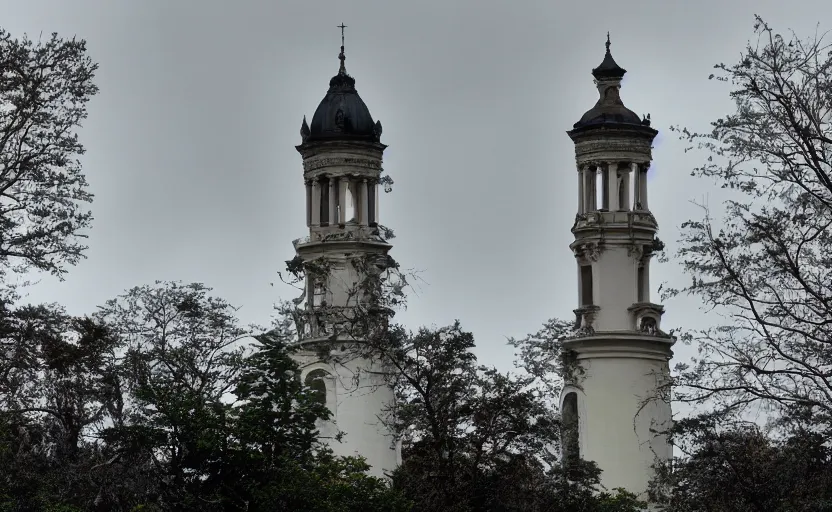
[
  {"x": 608, "y": 41},
  {"x": 341, "y": 56}
]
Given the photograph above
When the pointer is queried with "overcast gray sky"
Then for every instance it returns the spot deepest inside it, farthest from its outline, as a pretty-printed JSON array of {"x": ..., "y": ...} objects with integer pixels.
[{"x": 191, "y": 140}]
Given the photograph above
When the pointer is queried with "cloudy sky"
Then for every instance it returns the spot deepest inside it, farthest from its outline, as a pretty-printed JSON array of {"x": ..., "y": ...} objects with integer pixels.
[{"x": 191, "y": 141}]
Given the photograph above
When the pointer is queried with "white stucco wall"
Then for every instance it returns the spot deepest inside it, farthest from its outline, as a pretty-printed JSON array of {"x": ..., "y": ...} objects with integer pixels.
[
  {"x": 357, "y": 405},
  {"x": 616, "y": 416},
  {"x": 615, "y": 286}
]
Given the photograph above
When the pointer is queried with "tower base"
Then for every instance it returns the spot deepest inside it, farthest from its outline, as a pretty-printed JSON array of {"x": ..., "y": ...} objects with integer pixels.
[{"x": 623, "y": 407}]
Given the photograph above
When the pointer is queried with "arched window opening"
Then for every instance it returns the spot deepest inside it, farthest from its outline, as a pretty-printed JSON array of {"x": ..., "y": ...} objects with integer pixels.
[
  {"x": 570, "y": 423},
  {"x": 316, "y": 382},
  {"x": 586, "y": 285},
  {"x": 324, "y": 201},
  {"x": 371, "y": 203},
  {"x": 622, "y": 191},
  {"x": 318, "y": 292}
]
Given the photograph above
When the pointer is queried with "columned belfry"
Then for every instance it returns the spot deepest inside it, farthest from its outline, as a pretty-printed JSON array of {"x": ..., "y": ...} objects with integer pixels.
[
  {"x": 615, "y": 399},
  {"x": 342, "y": 157}
]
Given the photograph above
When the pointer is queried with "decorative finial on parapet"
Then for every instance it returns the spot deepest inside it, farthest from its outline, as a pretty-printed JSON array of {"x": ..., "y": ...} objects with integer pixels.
[{"x": 304, "y": 130}]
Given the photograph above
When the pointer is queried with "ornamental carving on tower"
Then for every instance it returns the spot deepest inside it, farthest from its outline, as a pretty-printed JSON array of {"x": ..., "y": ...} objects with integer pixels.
[
  {"x": 639, "y": 252},
  {"x": 339, "y": 119},
  {"x": 585, "y": 321},
  {"x": 591, "y": 251},
  {"x": 631, "y": 149},
  {"x": 318, "y": 163},
  {"x": 649, "y": 325}
]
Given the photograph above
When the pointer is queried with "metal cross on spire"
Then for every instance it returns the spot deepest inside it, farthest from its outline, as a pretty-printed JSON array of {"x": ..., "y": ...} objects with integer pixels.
[
  {"x": 342, "y": 27},
  {"x": 341, "y": 56}
]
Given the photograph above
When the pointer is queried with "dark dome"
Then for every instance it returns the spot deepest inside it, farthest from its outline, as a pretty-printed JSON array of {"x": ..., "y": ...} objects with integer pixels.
[
  {"x": 342, "y": 114},
  {"x": 603, "y": 114},
  {"x": 609, "y": 109}
]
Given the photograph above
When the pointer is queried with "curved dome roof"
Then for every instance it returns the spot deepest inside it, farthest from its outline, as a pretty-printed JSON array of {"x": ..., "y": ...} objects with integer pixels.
[
  {"x": 342, "y": 114},
  {"x": 609, "y": 109}
]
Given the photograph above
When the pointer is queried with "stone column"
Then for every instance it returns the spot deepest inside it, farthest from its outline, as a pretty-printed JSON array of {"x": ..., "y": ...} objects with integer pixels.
[
  {"x": 643, "y": 186},
  {"x": 636, "y": 182},
  {"x": 342, "y": 199},
  {"x": 592, "y": 189},
  {"x": 581, "y": 193},
  {"x": 605, "y": 187},
  {"x": 625, "y": 184},
  {"x": 308, "y": 204},
  {"x": 375, "y": 204},
  {"x": 612, "y": 184},
  {"x": 364, "y": 214},
  {"x": 332, "y": 197},
  {"x": 316, "y": 203}
]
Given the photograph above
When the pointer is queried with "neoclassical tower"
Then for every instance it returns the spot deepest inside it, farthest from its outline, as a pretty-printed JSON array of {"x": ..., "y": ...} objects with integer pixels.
[
  {"x": 615, "y": 395},
  {"x": 342, "y": 156}
]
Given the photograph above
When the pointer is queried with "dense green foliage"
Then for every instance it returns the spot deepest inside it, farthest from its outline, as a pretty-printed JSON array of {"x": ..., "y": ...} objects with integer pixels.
[
  {"x": 737, "y": 467},
  {"x": 476, "y": 439},
  {"x": 151, "y": 403},
  {"x": 44, "y": 90}
]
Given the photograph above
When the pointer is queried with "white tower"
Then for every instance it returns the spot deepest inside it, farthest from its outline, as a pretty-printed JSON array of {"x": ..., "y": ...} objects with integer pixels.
[
  {"x": 342, "y": 156},
  {"x": 615, "y": 397}
]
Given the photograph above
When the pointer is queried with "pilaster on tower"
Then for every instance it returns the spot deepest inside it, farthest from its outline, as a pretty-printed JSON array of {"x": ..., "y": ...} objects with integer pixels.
[
  {"x": 342, "y": 157},
  {"x": 619, "y": 401}
]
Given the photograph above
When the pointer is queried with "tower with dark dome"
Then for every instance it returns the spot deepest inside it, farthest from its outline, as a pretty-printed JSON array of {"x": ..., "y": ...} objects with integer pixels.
[
  {"x": 615, "y": 400},
  {"x": 342, "y": 155}
]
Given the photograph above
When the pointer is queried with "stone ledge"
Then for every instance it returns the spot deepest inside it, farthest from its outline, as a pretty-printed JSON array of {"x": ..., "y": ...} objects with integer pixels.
[{"x": 617, "y": 344}]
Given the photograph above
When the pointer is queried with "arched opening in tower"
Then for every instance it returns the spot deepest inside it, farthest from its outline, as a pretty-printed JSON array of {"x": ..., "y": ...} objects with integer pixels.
[
  {"x": 316, "y": 382},
  {"x": 623, "y": 187},
  {"x": 318, "y": 291},
  {"x": 602, "y": 189},
  {"x": 586, "y": 285},
  {"x": 351, "y": 212},
  {"x": 323, "y": 203},
  {"x": 570, "y": 446}
]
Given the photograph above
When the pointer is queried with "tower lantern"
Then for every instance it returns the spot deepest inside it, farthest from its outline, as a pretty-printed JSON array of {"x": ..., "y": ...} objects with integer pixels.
[
  {"x": 342, "y": 156},
  {"x": 617, "y": 406}
]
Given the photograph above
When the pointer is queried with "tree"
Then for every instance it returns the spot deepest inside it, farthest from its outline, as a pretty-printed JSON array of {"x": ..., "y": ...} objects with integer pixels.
[
  {"x": 474, "y": 439},
  {"x": 735, "y": 466},
  {"x": 226, "y": 426},
  {"x": 44, "y": 90},
  {"x": 151, "y": 403},
  {"x": 479, "y": 440},
  {"x": 179, "y": 361},
  {"x": 767, "y": 267},
  {"x": 56, "y": 385}
]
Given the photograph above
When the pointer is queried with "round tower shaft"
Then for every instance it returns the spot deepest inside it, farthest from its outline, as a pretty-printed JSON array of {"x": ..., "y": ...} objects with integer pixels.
[
  {"x": 616, "y": 396},
  {"x": 342, "y": 157}
]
